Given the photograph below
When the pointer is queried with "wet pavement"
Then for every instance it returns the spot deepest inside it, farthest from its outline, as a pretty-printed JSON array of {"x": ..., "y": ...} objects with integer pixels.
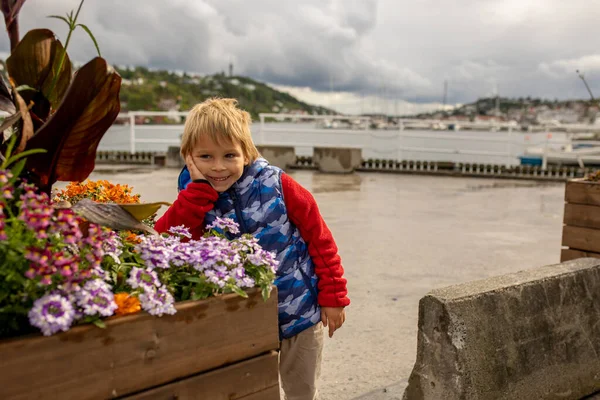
[{"x": 399, "y": 237}]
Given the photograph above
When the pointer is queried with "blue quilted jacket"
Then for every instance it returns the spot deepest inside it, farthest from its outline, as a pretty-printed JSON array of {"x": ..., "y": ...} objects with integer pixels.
[{"x": 256, "y": 203}]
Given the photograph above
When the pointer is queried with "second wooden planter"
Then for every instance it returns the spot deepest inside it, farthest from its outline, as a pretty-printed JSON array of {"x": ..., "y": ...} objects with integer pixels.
[{"x": 581, "y": 229}]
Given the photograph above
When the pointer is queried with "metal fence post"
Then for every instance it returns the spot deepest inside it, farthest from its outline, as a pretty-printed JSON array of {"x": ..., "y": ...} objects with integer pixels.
[
  {"x": 261, "y": 131},
  {"x": 131, "y": 133},
  {"x": 400, "y": 132},
  {"x": 509, "y": 147}
]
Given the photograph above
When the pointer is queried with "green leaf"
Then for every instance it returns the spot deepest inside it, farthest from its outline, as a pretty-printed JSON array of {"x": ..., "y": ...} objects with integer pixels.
[
  {"x": 185, "y": 293},
  {"x": 199, "y": 296},
  {"x": 24, "y": 87},
  {"x": 89, "y": 32},
  {"x": 195, "y": 279},
  {"x": 18, "y": 168},
  {"x": 99, "y": 323},
  {"x": 9, "y": 149},
  {"x": 239, "y": 291},
  {"x": 61, "y": 18},
  {"x": 266, "y": 292},
  {"x": 23, "y": 155}
]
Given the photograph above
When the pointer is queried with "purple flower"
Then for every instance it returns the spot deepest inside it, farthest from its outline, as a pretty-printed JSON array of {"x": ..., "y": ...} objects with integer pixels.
[
  {"x": 40, "y": 264},
  {"x": 158, "y": 302},
  {"x": 156, "y": 251},
  {"x": 240, "y": 278},
  {"x": 67, "y": 225},
  {"x": 51, "y": 313},
  {"x": 145, "y": 279},
  {"x": 247, "y": 243},
  {"x": 36, "y": 211},
  {"x": 7, "y": 192},
  {"x": 5, "y": 175},
  {"x": 263, "y": 257},
  {"x": 99, "y": 273},
  {"x": 225, "y": 224},
  {"x": 181, "y": 231},
  {"x": 111, "y": 245},
  {"x": 214, "y": 251},
  {"x": 215, "y": 277},
  {"x": 96, "y": 298}
]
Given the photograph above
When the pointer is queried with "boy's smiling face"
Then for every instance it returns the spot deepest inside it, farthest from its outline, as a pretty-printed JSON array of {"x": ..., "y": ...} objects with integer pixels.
[{"x": 222, "y": 165}]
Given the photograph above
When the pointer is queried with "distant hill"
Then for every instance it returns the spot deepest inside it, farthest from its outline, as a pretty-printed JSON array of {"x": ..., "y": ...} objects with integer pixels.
[
  {"x": 523, "y": 109},
  {"x": 144, "y": 89}
]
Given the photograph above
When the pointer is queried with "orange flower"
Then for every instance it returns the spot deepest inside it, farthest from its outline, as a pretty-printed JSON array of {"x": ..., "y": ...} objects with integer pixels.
[
  {"x": 126, "y": 304},
  {"x": 101, "y": 191},
  {"x": 133, "y": 238}
]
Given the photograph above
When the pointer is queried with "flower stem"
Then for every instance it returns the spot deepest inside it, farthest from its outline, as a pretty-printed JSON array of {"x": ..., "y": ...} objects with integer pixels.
[{"x": 72, "y": 26}]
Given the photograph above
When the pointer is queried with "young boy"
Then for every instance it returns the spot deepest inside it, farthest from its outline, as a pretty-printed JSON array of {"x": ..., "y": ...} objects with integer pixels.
[{"x": 225, "y": 177}]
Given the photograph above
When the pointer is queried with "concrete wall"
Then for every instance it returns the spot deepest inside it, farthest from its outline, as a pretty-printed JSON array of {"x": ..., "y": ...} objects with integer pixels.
[
  {"x": 174, "y": 159},
  {"x": 280, "y": 156},
  {"x": 534, "y": 334},
  {"x": 337, "y": 159}
]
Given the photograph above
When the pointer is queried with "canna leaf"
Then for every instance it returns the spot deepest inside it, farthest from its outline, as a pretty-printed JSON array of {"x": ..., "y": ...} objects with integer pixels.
[
  {"x": 110, "y": 215},
  {"x": 72, "y": 134},
  {"x": 34, "y": 62},
  {"x": 142, "y": 211}
]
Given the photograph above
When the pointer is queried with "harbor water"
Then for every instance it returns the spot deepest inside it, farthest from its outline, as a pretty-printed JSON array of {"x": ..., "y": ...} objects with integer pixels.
[{"x": 500, "y": 147}]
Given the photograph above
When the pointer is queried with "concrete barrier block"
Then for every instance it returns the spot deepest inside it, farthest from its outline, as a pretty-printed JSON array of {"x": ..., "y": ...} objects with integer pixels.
[
  {"x": 174, "y": 159},
  {"x": 534, "y": 334},
  {"x": 337, "y": 159},
  {"x": 280, "y": 156}
]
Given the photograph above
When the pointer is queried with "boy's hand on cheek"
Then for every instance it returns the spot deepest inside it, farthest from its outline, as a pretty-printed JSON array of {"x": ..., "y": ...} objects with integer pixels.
[
  {"x": 194, "y": 171},
  {"x": 333, "y": 317}
]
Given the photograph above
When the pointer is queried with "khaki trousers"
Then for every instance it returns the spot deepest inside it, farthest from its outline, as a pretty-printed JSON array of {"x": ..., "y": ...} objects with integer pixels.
[{"x": 300, "y": 364}]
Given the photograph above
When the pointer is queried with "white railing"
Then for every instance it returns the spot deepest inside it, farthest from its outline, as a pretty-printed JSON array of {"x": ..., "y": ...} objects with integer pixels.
[{"x": 505, "y": 144}]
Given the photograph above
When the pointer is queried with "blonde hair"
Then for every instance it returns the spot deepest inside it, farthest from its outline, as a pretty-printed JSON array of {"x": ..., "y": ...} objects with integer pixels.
[{"x": 222, "y": 121}]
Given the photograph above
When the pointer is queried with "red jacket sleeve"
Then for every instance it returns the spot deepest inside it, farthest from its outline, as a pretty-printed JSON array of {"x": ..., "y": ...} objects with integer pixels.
[
  {"x": 304, "y": 213},
  {"x": 189, "y": 209}
]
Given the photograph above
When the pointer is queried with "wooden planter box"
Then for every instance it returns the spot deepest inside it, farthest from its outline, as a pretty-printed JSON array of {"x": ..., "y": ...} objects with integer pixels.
[
  {"x": 220, "y": 348},
  {"x": 581, "y": 230}
]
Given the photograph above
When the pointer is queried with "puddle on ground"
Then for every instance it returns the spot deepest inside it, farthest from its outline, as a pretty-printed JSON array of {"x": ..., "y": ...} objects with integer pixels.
[
  {"x": 508, "y": 185},
  {"x": 328, "y": 183}
]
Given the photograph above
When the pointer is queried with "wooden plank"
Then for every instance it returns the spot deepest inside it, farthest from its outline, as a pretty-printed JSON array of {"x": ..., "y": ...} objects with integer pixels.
[
  {"x": 582, "y": 215},
  {"x": 243, "y": 380},
  {"x": 579, "y": 191},
  {"x": 579, "y": 238},
  {"x": 271, "y": 393},
  {"x": 571, "y": 254},
  {"x": 138, "y": 351}
]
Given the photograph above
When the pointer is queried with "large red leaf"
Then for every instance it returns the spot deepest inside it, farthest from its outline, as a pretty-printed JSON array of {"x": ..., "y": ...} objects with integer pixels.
[
  {"x": 72, "y": 134},
  {"x": 35, "y": 62}
]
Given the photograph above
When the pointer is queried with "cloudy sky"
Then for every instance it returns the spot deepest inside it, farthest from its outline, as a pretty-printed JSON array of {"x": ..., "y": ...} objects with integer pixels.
[{"x": 352, "y": 55}]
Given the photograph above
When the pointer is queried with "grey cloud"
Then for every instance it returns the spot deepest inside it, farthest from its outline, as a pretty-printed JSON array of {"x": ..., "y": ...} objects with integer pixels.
[{"x": 393, "y": 48}]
